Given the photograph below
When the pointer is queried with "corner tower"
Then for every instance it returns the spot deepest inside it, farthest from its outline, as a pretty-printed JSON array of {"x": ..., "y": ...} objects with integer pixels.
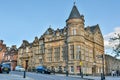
[{"x": 75, "y": 24}]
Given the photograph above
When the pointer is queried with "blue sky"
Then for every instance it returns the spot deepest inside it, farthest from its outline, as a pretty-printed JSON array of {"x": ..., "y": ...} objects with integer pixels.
[{"x": 25, "y": 19}]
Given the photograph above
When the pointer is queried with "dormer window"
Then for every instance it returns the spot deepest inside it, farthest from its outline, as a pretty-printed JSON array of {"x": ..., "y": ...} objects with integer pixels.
[
  {"x": 65, "y": 33},
  {"x": 49, "y": 39},
  {"x": 27, "y": 49},
  {"x": 57, "y": 34},
  {"x": 47, "y": 32}
]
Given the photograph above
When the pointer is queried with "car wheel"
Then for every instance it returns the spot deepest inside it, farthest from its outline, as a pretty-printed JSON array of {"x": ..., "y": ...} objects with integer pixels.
[
  {"x": 36, "y": 71},
  {"x": 43, "y": 72}
]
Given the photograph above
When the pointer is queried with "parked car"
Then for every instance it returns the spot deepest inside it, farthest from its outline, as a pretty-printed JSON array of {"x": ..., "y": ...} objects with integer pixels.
[
  {"x": 19, "y": 68},
  {"x": 42, "y": 69},
  {"x": 0, "y": 68},
  {"x": 5, "y": 68}
]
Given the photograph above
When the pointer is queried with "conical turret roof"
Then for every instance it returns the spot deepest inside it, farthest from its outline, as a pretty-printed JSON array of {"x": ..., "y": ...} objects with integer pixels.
[{"x": 74, "y": 13}]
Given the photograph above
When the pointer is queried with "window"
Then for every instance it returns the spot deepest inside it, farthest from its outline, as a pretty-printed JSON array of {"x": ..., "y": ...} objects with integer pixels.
[
  {"x": 57, "y": 54},
  {"x": 78, "y": 52},
  {"x": 21, "y": 50},
  {"x": 87, "y": 58},
  {"x": 82, "y": 57},
  {"x": 27, "y": 49},
  {"x": 72, "y": 51},
  {"x": 64, "y": 53},
  {"x": 73, "y": 31},
  {"x": 60, "y": 68},
  {"x": 58, "y": 34},
  {"x": 49, "y": 54},
  {"x": 42, "y": 48},
  {"x": 64, "y": 68},
  {"x": 78, "y": 68},
  {"x": 87, "y": 52},
  {"x": 72, "y": 68},
  {"x": 41, "y": 61}
]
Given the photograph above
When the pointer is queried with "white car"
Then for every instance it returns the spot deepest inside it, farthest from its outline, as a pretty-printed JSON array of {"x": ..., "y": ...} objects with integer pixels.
[{"x": 19, "y": 68}]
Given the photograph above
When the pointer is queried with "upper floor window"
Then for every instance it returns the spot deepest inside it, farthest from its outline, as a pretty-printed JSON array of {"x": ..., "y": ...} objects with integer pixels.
[
  {"x": 27, "y": 49},
  {"x": 64, "y": 53},
  {"x": 78, "y": 52},
  {"x": 57, "y": 54},
  {"x": 49, "y": 55},
  {"x": 72, "y": 51},
  {"x": 58, "y": 34},
  {"x": 73, "y": 31}
]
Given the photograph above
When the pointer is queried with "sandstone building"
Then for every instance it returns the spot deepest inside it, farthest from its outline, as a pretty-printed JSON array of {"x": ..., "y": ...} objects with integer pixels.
[
  {"x": 75, "y": 45},
  {"x": 10, "y": 56},
  {"x": 111, "y": 64},
  {"x": 2, "y": 50}
]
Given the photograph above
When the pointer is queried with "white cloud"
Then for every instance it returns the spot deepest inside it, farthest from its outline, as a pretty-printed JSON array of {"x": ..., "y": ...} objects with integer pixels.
[
  {"x": 107, "y": 37},
  {"x": 117, "y": 29}
]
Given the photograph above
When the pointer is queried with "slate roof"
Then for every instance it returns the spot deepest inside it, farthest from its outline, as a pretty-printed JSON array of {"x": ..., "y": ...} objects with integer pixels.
[
  {"x": 74, "y": 13},
  {"x": 92, "y": 28}
]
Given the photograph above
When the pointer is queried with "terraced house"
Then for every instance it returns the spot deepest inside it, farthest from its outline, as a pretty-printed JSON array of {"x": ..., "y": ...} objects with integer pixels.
[{"x": 73, "y": 47}]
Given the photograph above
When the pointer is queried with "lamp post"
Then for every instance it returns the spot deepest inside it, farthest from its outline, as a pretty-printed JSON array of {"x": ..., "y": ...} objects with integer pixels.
[
  {"x": 66, "y": 51},
  {"x": 66, "y": 61},
  {"x": 103, "y": 75},
  {"x": 81, "y": 74}
]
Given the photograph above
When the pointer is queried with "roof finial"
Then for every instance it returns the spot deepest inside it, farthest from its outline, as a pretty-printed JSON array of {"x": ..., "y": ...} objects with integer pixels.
[{"x": 74, "y": 2}]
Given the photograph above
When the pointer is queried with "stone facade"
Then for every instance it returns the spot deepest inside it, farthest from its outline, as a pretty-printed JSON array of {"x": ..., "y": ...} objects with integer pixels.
[
  {"x": 111, "y": 64},
  {"x": 2, "y": 50},
  {"x": 11, "y": 56},
  {"x": 75, "y": 45}
]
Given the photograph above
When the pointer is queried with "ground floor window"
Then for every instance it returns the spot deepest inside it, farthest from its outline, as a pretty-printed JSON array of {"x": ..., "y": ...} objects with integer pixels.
[
  {"x": 64, "y": 69},
  {"x": 60, "y": 68},
  {"x": 78, "y": 68},
  {"x": 72, "y": 68}
]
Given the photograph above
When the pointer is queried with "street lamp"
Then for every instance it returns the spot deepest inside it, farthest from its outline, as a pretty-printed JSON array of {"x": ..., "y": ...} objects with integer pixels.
[
  {"x": 102, "y": 74},
  {"x": 80, "y": 66},
  {"x": 66, "y": 56},
  {"x": 66, "y": 50}
]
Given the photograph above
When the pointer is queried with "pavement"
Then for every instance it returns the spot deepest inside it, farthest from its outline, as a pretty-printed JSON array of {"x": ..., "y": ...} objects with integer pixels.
[
  {"x": 13, "y": 77},
  {"x": 93, "y": 77},
  {"x": 18, "y": 77}
]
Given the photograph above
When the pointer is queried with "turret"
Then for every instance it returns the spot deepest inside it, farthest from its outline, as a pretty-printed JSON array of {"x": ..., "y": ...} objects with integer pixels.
[{"x": 75, "y": 24}]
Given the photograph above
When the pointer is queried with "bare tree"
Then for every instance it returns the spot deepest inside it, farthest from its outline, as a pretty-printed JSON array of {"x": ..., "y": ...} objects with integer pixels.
[{"x": 116, "y": 44}]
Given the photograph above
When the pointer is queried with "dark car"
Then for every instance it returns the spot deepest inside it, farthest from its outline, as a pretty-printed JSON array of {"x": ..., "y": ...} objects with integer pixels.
[
  {"x": 5, "y": 68},
  {"x": 0, "y": 68},
  {"x": 42, "y": 69}
]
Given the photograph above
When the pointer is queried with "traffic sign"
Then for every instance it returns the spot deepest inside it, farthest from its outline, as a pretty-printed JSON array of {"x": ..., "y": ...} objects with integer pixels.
[{"x": 80, "y": 63}]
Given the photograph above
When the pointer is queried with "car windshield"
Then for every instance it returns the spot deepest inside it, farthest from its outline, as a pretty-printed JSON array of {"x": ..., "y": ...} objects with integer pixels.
[
  {"x": 19, "y": 66},
  {"x": 5, "y": 65},
  {"x": 40, "y": 67}
]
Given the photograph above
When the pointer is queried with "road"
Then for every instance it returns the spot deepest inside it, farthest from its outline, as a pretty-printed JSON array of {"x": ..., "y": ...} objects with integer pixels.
[{"x": 14, "y": 75}]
